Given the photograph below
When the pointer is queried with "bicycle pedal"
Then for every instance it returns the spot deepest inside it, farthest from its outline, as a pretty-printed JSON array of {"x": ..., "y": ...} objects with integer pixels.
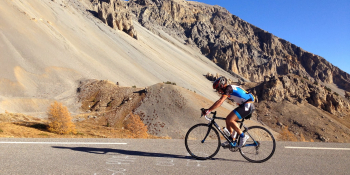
[
  {"x": 234, "y": 149},
  {"x": 225, "y": 147}
]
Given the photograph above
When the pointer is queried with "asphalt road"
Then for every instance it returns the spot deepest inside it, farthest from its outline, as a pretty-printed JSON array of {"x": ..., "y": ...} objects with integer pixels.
[{"x": 140, "y": 156}]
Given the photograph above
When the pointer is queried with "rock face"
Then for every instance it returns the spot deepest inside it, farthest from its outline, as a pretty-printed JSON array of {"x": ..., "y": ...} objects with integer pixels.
[
  {"x": 347, "y": 95},
  {"x": 115, "y": 13},
  {"x": 297, "y": 89},
  {"x": 233, "y": 44},
  {"x": 236, "y": 46}
]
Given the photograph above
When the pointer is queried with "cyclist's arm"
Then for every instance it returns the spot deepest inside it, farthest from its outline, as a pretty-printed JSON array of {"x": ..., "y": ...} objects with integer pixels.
[{"x": 218, "y": 103}]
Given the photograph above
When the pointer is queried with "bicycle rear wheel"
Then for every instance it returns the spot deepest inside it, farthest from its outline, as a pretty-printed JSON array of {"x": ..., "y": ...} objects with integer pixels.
[
  {"x": 260, "y": 146},
  {"x": 200, "y": 144}
]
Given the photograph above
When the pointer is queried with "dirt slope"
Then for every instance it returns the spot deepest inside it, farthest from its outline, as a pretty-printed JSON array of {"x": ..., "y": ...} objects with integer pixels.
[
  {"x": 48, "y": 46},
  {"x": 168, "y": 110},
  {"x": 304, "y": 121}
]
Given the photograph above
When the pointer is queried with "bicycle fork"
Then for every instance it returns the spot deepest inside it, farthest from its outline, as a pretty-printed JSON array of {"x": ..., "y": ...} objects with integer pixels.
[{"x": 206, "y": 135}]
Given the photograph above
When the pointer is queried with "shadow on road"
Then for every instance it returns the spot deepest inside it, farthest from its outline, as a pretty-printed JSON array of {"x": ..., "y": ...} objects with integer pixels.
[
  {"x": 129, "y": 152},
  {"x": 121, "y": 151}
]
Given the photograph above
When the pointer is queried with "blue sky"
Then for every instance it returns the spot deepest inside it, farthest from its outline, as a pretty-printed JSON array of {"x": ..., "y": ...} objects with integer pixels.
[{"x": 321, "y": 27}]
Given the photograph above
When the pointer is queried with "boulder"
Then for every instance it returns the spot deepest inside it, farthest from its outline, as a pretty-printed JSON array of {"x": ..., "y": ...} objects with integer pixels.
[{"x": 347, "y": 95}]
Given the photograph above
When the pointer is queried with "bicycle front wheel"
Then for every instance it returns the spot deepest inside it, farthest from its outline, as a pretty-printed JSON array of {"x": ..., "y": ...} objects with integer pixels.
[
  {"x": 202, "y": 141},
  {"x": 260, "y": 146}
]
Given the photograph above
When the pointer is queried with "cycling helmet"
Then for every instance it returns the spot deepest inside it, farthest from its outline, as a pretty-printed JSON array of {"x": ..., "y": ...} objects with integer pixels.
[{"x": 221, "y": 81}]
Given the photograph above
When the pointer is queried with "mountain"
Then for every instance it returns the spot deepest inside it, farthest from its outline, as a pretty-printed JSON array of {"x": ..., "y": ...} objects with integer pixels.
[
  {"x": 50, "y": 48},
  {"x": 233, "y": 43}
]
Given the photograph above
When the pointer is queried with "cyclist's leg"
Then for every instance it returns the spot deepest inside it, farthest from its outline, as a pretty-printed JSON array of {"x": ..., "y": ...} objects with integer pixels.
[
  {"x": 231, "y": 123},
  {"x": 237, "y": 114}
]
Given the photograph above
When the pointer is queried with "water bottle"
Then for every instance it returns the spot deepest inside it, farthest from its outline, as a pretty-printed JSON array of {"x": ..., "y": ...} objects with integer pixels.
[{"x": 227, "y": 133}]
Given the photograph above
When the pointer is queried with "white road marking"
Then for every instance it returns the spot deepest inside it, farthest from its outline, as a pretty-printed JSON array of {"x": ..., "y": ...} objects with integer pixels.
[
  {"x": 291, "y": 147},
  {"x": 66, "y": 143}
]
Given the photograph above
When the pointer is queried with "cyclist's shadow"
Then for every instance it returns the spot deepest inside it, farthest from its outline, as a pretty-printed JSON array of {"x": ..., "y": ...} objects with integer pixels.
[
  {"x": 122, "y": 151},
  {"x": 130, "y": 152}
]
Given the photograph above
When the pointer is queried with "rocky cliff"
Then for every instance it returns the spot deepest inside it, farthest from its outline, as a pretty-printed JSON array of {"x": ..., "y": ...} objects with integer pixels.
[
  {"x": 235, "y": 45},
  {"x": 115, "y": 14},
  {"x": 293, "y": 103},
  {"x": 232, "y": 43},
  {"x": 298, "y": 89},
  {"x": 291, "y": 84}
]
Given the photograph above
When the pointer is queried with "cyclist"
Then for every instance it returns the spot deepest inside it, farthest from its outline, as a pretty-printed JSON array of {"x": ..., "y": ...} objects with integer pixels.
[{"x": 245, "y": 107}]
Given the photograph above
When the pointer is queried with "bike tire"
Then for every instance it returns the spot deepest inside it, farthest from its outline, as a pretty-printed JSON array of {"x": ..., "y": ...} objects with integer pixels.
[
  {"x": 266, "y": 145},
  {"x": 195, "y": 145}
]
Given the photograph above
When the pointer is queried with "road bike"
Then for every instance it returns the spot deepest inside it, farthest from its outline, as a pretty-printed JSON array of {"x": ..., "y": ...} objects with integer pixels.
[{"x": 203, "y": 142}]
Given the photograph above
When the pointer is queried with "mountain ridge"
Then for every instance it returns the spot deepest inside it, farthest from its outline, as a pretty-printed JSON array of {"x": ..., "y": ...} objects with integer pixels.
[{"x": 233, "y": 43}]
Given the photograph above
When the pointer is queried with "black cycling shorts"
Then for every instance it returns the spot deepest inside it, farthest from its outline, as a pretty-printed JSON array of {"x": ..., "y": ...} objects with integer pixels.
[{"x": 243, "y": 111}]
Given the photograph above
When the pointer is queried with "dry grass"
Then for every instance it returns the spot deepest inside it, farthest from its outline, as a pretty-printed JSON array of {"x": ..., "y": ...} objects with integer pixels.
[
  {"x": 60, "y": 119},
  {"x": 137, "y": 128},
  {"x": 24, "y": 126},
  {"x": 286, "y": 135}
]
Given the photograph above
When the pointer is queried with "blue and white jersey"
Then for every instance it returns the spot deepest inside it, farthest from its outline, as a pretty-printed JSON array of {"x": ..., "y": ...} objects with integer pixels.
[{"x": 237, "y": 94}]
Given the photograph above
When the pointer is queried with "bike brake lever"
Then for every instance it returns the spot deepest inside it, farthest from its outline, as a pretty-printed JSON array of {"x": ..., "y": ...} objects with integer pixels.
[{"x": 202, "y": 113}]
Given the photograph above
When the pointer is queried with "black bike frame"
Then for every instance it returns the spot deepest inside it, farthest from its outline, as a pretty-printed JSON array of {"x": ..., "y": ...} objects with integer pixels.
[{"x": 212, "y": 122}]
